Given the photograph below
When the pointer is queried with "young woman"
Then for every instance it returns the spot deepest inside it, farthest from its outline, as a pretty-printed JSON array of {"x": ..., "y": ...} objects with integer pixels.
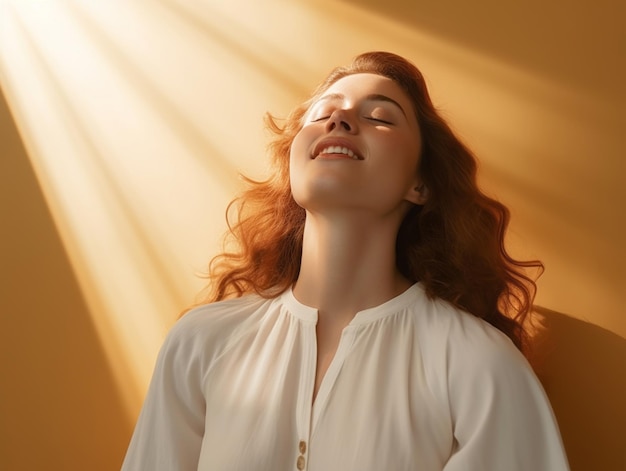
[{"x": 370, "y": 318}]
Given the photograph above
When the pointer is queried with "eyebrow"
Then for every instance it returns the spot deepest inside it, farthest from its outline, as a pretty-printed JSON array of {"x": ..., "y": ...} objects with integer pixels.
[{"x": 371, "y": 97}]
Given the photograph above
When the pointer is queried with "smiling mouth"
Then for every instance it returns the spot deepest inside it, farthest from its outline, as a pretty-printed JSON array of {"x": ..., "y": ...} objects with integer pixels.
[{"x": 338, "y": 152}]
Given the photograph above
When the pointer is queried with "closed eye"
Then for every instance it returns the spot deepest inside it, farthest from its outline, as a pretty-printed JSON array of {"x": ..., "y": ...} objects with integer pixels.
[
  {"x": 378, "y": 120},
  {"x": 319, "y": 119}
]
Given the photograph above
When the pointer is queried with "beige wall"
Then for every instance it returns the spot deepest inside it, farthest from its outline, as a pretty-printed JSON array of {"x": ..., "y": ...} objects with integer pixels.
[
  {"x": 59, "y": 406},
  {"x": 536, "y": 90}
]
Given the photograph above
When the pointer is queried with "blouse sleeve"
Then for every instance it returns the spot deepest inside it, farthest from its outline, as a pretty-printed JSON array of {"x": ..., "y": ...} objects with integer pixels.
[
  {"x": 169, "y": 431},
  {"x": 501, "y": 414}
]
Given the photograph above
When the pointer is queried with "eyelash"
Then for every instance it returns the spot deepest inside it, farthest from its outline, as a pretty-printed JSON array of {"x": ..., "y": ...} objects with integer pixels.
[
  {"x": 366, "y": 117},
  {"x": 379, "y": 120}
]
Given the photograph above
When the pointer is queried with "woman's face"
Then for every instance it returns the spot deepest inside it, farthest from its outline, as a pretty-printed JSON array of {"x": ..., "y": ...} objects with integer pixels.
[{"x": 358, "y": 149}]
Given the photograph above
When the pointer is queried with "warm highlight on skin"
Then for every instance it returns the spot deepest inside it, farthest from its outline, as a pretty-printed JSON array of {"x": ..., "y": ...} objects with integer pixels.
[{"x": 453, "y": 244}]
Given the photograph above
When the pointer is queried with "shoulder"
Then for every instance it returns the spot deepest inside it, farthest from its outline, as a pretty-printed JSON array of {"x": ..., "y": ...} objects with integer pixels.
[
  {"x": 227, "y": 313},
  {"x": 206, "y": 329},
  {"x": 459, "y": 332},
  {"x": 474, "y": 367},
  {"x": 462, "y": 351}
]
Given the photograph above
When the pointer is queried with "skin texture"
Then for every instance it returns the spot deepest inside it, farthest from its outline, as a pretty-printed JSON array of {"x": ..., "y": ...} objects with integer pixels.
[
  {"x": 385, "y": 136},
  {"x": 354, "y": 204}
]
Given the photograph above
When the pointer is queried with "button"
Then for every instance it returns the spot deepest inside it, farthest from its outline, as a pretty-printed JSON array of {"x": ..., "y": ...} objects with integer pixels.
[
  {"x": 300, "y": 463},
  {"x": 302, "y": 447}
]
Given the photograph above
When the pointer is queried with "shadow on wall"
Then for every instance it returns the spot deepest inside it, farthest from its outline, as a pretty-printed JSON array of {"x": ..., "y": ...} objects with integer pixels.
[{"x": 583, "y": 369}]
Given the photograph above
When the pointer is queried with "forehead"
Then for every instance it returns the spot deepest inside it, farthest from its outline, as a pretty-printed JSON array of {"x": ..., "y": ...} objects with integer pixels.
[{"x": 364, "y": 84}]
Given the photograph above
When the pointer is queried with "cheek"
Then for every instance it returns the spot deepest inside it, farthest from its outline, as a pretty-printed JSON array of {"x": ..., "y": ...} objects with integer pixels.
[
  {"x": 401, "y": 171},
  {"x": 299, "y": 151},
  {"x": 300, "y": 144},
  {"x": 405, "y": 155},
  {"x": 297, "y": 155},
  {"x": 411, "y": 154}
]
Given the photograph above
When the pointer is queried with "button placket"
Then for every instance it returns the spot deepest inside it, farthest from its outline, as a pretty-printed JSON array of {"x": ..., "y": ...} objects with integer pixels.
[
  {"x": 345, "y": 345},
  {"x": 305, "y": 399},
  {"x": 301, "y": 460}
]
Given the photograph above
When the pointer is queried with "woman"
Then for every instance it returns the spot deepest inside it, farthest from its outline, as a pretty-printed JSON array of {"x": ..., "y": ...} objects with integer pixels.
[{"x": 370, "y": 317}]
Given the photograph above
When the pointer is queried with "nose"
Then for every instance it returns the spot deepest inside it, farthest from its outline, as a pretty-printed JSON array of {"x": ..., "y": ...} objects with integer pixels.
[{"x": 341, "y": 119}]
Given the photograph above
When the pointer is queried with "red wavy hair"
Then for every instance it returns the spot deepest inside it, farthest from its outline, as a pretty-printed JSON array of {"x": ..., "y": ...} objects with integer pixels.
[{"x": 453, "y": 244}]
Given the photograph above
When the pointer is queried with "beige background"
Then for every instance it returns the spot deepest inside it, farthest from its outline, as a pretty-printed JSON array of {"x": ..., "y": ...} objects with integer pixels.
[{"x": 123, "y": 126}]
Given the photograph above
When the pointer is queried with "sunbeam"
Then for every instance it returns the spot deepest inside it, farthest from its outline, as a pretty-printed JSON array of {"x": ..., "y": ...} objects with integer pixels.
[{"x": 138, "y": 118}]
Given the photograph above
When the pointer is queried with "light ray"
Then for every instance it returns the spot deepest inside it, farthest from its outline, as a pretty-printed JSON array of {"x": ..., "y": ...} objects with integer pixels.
[{"x": 138, "y": 116}]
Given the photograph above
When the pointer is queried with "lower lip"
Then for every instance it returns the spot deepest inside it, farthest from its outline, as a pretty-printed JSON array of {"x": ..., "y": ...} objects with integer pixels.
[{"x": 335, "y": 157}]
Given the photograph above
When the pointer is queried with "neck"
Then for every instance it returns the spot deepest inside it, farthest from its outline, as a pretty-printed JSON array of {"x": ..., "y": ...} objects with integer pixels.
[{"x": 348, "y": 264}]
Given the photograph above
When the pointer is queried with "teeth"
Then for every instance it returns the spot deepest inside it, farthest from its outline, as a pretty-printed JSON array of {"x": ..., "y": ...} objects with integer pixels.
[{"x": 339, "y": 150}]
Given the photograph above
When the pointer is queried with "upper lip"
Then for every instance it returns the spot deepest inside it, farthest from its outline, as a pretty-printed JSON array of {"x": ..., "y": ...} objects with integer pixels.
[{"x": 335, "y": 141}]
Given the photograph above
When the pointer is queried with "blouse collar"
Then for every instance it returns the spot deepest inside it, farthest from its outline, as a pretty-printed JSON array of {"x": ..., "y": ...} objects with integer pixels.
[{"x": 392, "y": 306}]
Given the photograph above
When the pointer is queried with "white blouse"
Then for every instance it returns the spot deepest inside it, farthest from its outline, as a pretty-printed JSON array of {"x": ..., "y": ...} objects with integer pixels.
[{"x": 415, "y": 384}]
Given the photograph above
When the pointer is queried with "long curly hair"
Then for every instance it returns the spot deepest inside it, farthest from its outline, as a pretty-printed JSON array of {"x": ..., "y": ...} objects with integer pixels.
[{"x": 453, "y": 244}]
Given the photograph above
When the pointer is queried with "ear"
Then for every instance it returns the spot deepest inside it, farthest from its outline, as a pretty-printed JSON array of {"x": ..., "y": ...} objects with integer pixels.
[{"x": 417, "y": 194}]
